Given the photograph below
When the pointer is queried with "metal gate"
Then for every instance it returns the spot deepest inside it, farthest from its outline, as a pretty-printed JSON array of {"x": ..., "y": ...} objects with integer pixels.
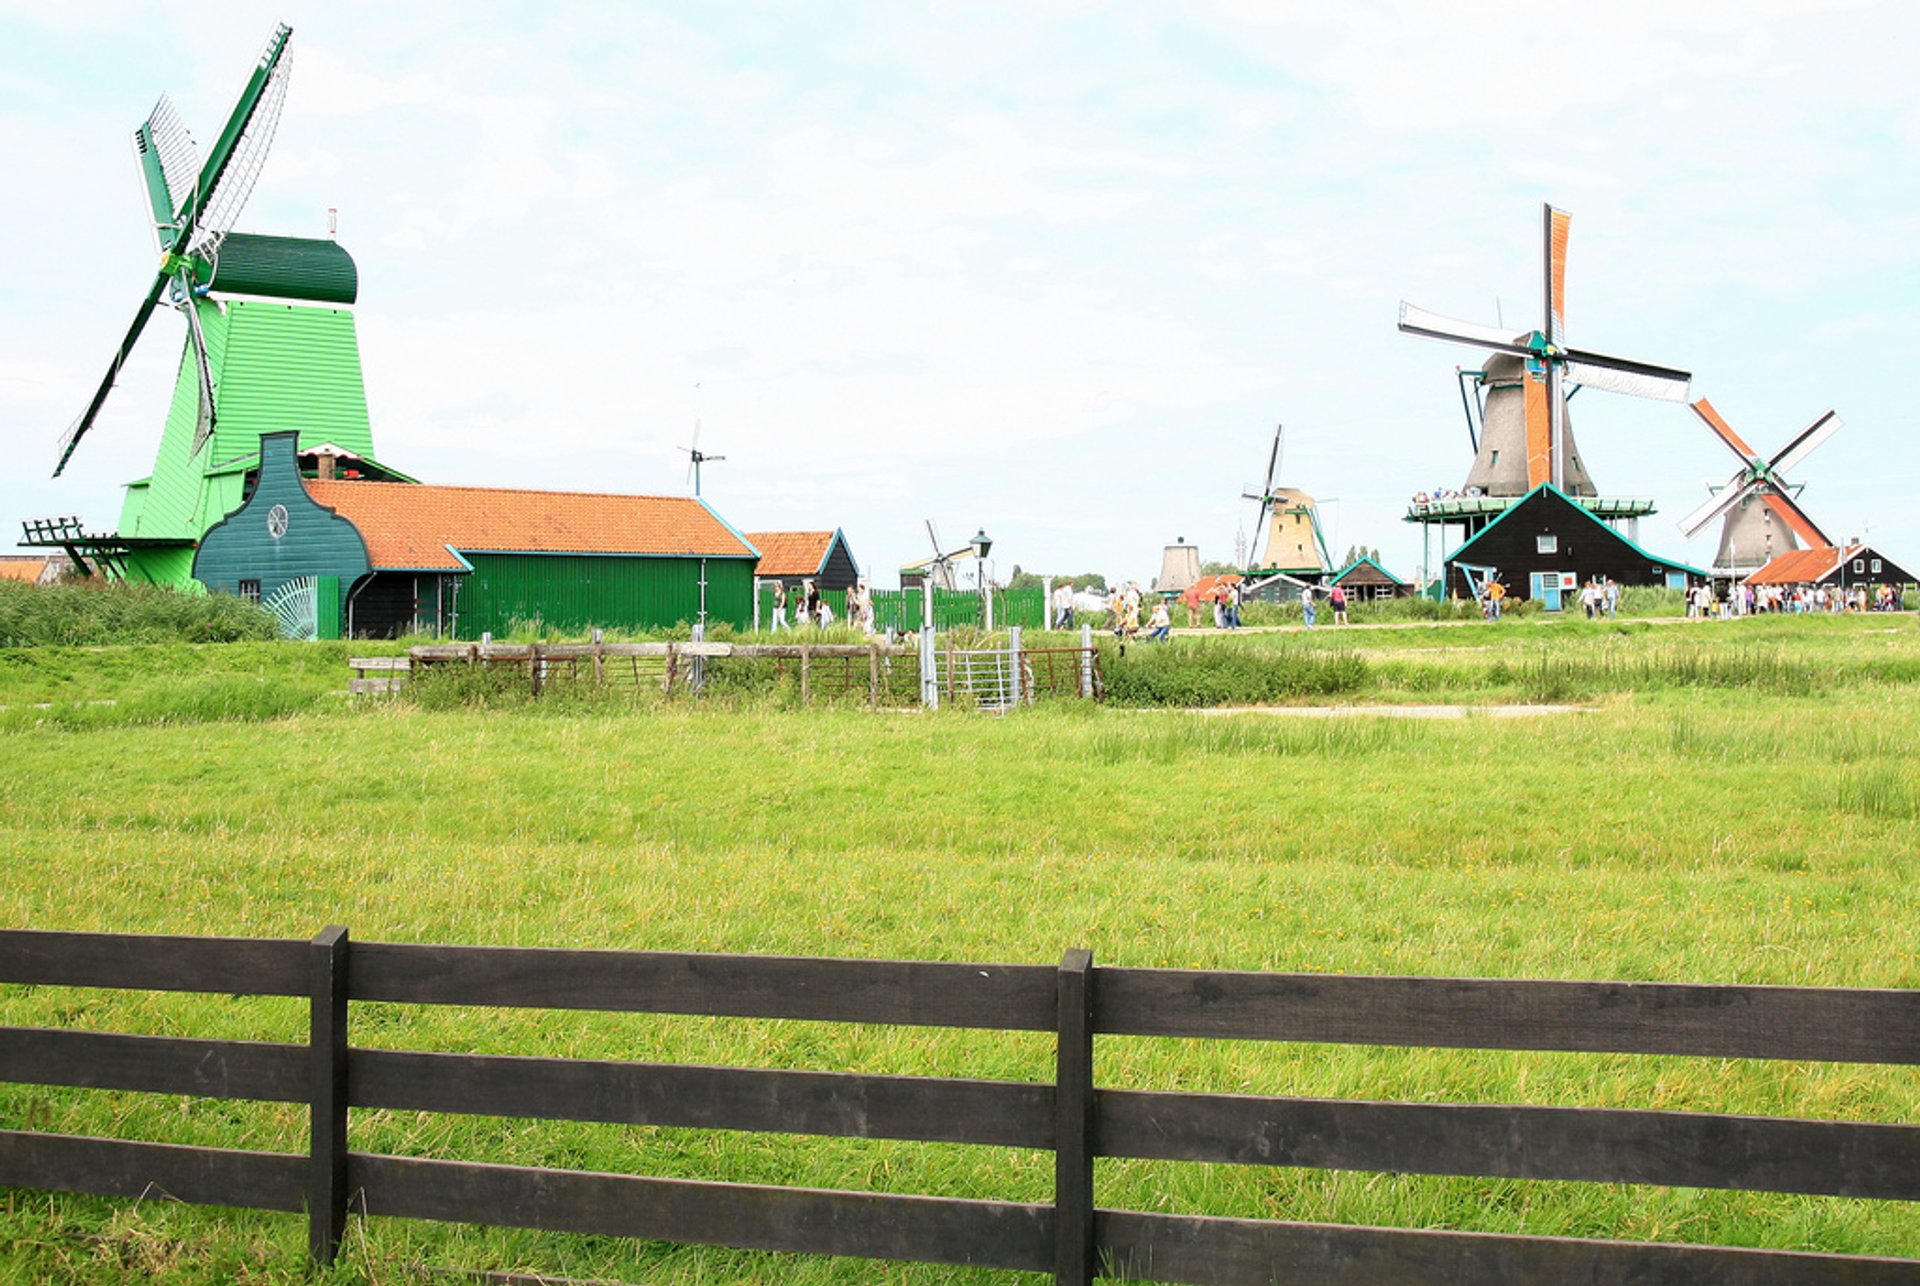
[
  {"x": 985, "y": 678},
  {"x": 296, "y": 606}
]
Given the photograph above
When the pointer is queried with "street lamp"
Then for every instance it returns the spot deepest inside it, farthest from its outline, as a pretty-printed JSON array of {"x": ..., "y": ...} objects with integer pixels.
[{"x": 980, "y": 544}]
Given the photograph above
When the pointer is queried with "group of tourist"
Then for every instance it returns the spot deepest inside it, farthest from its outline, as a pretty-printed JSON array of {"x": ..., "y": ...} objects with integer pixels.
[
  {"x": 1226, "y": 598},
  {"x": 1704, "y": 602},
  {"x": 810, "y": 607},
  {"x": 1421, "y": 499},
  {"x": 1600, "y": 596}
]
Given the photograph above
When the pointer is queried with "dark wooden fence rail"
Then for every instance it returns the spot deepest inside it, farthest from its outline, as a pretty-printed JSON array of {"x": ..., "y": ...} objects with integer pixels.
[{"x": 1077, "y": 1121}]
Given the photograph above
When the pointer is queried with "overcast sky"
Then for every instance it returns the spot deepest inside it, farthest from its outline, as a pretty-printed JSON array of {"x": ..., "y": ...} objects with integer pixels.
[{"x": 1052, "y": 269}]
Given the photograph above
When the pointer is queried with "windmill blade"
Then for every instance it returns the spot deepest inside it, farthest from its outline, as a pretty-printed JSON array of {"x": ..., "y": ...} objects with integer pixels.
[
  {"x": 1418, "y": 321},
  {"x": 234, "y": 161},
  {"x": 1738, "y": 488},
  {"x": 1558, "y": 223},
  {"x": 1724, "y": 431},
  {"x": 203, "y": 413},
  {"x": 1273, "y": 462},
  {"x": 1253, "y": 546},
  {"x": 1808, "y": 441},
  {"x": 80, "y": 426},
  {"x": 1320, "y": 538},
  {"x": 1536, "y": 388},
  {"x": 1788, "y": 511},
  {"x": 169, "y": 163},
  {"x": 1620, "y": 375}
]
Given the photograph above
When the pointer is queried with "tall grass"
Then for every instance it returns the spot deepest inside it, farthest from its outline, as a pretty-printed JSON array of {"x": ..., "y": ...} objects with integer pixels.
[
  {"x": 1707, "y": 833},
  {"x": 94, "y": 612}
]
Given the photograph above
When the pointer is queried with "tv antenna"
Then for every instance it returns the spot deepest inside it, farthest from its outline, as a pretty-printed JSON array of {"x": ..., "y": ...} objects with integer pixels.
[{"x": 695, "y": 458}]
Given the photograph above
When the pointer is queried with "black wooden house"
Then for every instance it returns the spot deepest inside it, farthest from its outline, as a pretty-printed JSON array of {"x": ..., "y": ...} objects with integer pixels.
[{"x": 1547, "y": 545}]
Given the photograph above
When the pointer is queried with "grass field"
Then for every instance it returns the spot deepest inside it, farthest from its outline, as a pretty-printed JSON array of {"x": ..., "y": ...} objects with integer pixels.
[{"x": 1738, "y": 803}]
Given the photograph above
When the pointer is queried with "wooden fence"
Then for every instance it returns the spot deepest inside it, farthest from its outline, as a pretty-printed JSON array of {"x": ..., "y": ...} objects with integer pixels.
[
  {"x": 878, "y": 673},
  {"x": 1073, "y": 1117}
]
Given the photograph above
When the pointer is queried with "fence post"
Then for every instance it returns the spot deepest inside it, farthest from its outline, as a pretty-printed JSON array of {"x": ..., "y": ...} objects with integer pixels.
[
  {"x": 327, "y": 1048},
  {"x": 1073, "y": 1252},
  {"x": 1013, "y": 655},
  {"x": 537, "y": 668},
  {"x": 599, "y": 657},
  {"x": 929, "y": 670},
  {"x": 873, "y": 674},
  {"x": 1086, "y": 661}
]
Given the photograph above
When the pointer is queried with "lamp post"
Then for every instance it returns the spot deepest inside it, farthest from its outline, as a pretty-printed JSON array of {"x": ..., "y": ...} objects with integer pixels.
[{"x": 980, "y": 544}]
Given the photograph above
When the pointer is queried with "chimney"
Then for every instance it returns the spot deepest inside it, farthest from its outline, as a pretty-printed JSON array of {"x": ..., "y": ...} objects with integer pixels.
[{"x": 323, "y": 467}]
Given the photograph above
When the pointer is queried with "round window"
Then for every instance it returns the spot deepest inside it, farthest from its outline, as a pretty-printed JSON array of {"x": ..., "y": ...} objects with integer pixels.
[{"x": 277, "y": 521}]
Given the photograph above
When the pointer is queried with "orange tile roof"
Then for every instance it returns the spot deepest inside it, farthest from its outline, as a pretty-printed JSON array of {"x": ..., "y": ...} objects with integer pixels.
[
  {"x": 790, "y": 553},
  {"x": 410, "y": 525},
  {"x": 1208, "y": 584},
  {"x": 1799, "y": 566},
  {"x": 27, "y": 569}
]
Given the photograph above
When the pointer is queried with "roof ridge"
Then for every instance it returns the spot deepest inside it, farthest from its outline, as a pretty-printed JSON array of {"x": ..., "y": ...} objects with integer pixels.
[{"x": 517, "y": 491}]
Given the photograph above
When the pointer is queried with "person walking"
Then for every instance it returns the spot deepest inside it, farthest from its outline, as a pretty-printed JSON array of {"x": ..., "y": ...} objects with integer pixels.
[
  {"x": 1611, "y": 597},
  {"x": 1192, "y": 600},
  {"x": 779, "y": 606},
  {"x": 1306, "y": 606},
  {"x": 1339, "y": 601}
]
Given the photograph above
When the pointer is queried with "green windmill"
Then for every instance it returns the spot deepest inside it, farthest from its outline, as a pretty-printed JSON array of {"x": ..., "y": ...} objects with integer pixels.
[{"x": 270, "y": 342}]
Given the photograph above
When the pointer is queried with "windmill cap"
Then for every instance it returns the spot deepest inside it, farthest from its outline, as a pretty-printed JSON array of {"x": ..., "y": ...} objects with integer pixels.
[{"x": 305, "y": 268}]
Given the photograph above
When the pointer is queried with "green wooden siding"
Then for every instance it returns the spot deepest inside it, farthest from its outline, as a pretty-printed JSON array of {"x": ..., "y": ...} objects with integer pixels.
[
  {"x": 575, "y": 593},
  {"x": 275, "y": 367},
  {"x": 172, "y": 565},
  {"x": 317, "y": 541}
]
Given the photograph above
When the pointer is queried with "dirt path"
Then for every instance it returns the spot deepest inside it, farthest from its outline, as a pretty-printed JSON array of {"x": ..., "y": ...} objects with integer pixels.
[{"x": 1397, "y": 712}]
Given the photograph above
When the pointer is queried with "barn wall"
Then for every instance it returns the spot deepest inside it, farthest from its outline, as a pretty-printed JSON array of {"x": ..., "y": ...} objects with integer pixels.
[
  {"x": 840, "y": 571},
  {"x": 576, "y": 593},
  {"x": 389, "y": 604}
]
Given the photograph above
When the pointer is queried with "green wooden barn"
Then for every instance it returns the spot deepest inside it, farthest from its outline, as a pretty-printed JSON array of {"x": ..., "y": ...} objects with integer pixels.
[{"x": 376, "y": 559}]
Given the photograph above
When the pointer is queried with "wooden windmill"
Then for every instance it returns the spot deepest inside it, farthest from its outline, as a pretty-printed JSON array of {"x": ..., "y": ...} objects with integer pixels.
[
  {"x": 270, "y": 339},
  {"x": 1526, "y": 439},
  {"x": 1761, "y": 507},
  {"x": 1292, "y": 521}
]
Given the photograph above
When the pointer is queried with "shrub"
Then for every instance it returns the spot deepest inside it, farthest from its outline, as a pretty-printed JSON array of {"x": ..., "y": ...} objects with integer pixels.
[
  {"x": 1187, "y": 674},
  {"x": 93, "y": 613}
]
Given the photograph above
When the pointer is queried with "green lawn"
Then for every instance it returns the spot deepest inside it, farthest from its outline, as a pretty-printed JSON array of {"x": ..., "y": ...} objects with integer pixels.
[{"x": 1739, "y": 803}]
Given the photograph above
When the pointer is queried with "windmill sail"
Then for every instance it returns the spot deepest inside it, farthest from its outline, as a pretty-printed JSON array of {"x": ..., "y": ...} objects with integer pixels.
[
  {"x": 170, "y": 164},
  {"x": 191, "y": 216},
  {"x": 1763, "y": 517},
  {"x": 1525, "y": 436},
  {"x": 232, "y": 168}
]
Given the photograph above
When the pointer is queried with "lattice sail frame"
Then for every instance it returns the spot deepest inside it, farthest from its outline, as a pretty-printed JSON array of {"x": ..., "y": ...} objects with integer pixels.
[{"x": 234, "y": 184}]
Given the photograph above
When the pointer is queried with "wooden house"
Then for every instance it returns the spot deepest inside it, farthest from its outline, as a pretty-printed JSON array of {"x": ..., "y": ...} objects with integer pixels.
[
  {"x": 791, "y": 557},
  {"x": 1547, "y": 545},
  {"x": 1833, "y": 566},
  {"x": 387, "y": 558},
  {"x": 1365, "y": 581}
]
